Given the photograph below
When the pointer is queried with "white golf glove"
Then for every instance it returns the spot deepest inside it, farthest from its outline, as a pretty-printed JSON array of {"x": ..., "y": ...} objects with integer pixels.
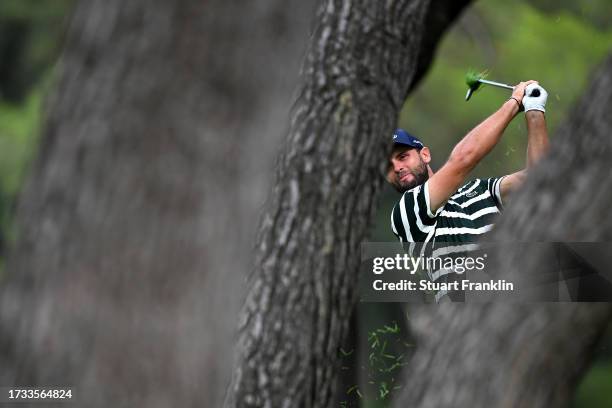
[{"x": 533, "y": 102}]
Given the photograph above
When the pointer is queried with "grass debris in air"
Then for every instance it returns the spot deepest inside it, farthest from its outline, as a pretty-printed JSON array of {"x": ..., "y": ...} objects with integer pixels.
[{"x": 472, "y": 77}]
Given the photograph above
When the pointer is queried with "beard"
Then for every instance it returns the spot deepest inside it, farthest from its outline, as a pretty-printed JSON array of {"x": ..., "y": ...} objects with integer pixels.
[{"x": 419, "y": 176}]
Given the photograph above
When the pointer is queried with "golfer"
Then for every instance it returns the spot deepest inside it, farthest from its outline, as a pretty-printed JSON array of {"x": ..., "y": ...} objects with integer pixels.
[{"x": 439, "y": 208}]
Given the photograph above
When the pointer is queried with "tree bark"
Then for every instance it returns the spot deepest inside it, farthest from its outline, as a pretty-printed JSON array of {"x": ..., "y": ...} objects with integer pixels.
[
  {"x": 135, "y": 224},
  {"x": 528, "y": 355},
  {"x": 363, "y": 59}
]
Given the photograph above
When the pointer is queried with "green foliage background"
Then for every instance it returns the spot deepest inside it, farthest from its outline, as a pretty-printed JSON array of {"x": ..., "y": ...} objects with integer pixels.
[
  {"x": 515, "y": 42},
  {"x": 557, "y": 42}
]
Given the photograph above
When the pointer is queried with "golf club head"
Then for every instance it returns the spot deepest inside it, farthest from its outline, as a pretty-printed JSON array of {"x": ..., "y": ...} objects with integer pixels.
[{"x": 469, "y": 93}]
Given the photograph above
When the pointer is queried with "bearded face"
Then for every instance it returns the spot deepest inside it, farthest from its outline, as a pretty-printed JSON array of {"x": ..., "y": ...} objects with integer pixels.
[{"x": 407, "y": 169}]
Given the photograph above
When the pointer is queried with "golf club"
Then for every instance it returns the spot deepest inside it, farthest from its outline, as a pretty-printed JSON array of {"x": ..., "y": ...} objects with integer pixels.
[{"x": 474, "y": 80}]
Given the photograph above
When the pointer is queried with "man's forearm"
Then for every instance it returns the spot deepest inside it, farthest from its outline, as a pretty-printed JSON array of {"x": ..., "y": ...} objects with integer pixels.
[
  {"x": 537, "y": 136},
  {"x": 481, "y": 140}
]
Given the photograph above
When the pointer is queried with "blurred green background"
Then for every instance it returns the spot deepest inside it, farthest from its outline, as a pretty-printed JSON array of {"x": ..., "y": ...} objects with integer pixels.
[{"x": 557, "y": 42}]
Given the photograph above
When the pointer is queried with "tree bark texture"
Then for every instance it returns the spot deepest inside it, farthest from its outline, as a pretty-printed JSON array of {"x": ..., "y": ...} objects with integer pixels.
[
  {"x": 135, "y": 226},
  {"x": 363, "y": 59},
  {"x": 532, "y": 354}
]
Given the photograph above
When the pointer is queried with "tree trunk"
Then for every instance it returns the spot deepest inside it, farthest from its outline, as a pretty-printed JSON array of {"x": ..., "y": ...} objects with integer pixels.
[
  {"x": 363, "y": 59},
  {"x": 135, "y": 224},
  {"x": 528, "y": 355}
]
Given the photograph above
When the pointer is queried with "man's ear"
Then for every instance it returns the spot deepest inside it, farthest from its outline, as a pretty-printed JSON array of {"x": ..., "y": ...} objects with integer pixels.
[
  {"x": 390, "y": 173},
  {"x": 425, "y": 155}
]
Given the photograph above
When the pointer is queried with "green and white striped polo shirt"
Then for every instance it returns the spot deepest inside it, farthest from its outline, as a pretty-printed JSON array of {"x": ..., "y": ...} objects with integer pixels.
[
  {"x": 467, "y": 214},
  {"x": 452, "y": 230}
]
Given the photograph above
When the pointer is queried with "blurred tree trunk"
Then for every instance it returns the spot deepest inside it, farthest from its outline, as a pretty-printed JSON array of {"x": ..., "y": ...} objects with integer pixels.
[
  {"x": 363, "y": 59},
  {"x": 528, "y": 355},
  {"x": 135, "y": 226}
]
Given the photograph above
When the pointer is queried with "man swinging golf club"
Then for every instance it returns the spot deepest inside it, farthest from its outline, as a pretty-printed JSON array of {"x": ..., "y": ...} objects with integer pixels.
[{"x": 437, "y": 208}]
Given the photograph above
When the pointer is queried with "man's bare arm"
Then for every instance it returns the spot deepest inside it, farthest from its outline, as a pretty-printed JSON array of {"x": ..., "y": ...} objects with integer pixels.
[
  {"x": 537, "y": 146},
  {"x": 537, "y": 136},
  {"x": 471, "y": 149}
]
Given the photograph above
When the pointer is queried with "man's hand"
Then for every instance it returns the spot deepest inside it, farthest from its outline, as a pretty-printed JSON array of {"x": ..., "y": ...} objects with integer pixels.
[
  {"x": 519, "y": 92},
  {"x": 535, "y": 98}
]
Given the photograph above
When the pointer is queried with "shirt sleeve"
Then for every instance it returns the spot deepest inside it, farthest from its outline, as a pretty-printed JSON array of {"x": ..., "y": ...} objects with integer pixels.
[
  {"x": 412, "y": 219},
  {"x": 494, "y": 186}
]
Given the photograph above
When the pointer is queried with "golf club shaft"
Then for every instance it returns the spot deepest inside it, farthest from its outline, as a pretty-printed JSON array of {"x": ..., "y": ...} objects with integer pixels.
[{"x": 499, "y": 84}]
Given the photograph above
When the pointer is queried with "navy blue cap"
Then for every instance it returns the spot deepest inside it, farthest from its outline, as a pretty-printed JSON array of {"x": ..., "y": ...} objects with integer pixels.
[{"x": 402, "y": 137}]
